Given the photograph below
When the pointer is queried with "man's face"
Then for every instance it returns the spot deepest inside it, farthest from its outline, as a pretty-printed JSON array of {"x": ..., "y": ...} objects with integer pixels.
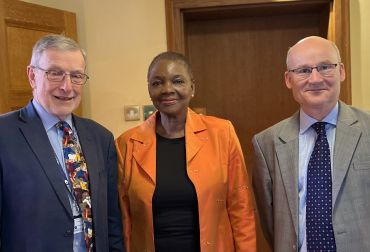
[
  {"x": 316, "y": 92},
  {"x": 59, "y": 98}
]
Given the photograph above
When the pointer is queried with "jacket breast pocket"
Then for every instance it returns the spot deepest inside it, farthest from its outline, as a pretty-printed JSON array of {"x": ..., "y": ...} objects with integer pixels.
[{"x": 361, "y": 165}]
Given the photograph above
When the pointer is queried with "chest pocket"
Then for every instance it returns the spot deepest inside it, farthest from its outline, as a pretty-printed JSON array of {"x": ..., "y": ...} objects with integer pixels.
[{"x": 361, "y": 165}]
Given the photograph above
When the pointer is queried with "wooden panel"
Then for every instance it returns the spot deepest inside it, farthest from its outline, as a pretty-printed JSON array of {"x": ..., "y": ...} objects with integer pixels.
[
  {"x": 339, "y": 33},
  {"x": 20, "y": 42},
  {"x": 22, "y": 25},
  {"x": 3, "y": 63},
  {"x": 239, "y": 68},
  {"x": 334, "y": 22}
]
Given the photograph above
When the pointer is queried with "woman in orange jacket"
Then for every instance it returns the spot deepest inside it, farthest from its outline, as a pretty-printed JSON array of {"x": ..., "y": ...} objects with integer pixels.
[{"x": 183, "y": 183}]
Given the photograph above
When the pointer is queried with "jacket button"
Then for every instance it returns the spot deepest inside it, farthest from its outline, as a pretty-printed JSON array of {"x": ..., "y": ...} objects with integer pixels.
[
  {"x": 294, "y": 247},
  {"x": 68, "y": 233}
]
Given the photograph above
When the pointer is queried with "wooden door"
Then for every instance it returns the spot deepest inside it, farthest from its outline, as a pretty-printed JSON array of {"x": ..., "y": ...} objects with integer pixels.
[
  {"x": 237, "y": 50},
  {"x": 22, "y": 24}
]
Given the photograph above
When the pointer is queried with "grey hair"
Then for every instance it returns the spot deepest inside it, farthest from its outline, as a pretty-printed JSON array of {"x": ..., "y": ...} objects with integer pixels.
[
  {"x": 58, "y": 42},
  {"x": 171, "y": 56}
]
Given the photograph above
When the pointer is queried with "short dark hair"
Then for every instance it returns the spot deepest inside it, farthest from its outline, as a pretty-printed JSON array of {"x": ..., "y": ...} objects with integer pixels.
[{"x": 171, "y": 56}]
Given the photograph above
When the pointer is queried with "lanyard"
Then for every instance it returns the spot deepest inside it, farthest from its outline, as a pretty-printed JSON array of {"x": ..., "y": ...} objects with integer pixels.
[{"x": 69, "y": 188}]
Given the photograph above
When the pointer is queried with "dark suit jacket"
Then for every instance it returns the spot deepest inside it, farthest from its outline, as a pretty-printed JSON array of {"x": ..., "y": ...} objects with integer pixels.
[
  {"x": 34, "y": 208},
  {"x": 276, "y": 181}
]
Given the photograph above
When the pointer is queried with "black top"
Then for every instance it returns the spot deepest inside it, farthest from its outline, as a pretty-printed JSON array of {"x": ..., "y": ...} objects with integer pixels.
[{"x": 175, "y": 204}]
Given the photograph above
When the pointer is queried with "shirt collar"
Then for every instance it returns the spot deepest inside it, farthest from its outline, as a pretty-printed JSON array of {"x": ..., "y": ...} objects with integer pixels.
[
  {"x": 48, "y": 120},
  {"x": 305, "y": 121}
]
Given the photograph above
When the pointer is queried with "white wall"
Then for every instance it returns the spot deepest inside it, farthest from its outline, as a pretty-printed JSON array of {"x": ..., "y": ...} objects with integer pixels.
[{"x": 121, "y": 38}]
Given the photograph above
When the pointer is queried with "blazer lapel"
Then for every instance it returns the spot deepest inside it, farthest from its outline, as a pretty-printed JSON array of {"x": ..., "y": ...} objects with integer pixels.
[
  {"x": 287, "y": 155},
  {"x": 194, "y": 140},
  {"x": 347, "y": 136},
  {"x": 144, "y": 150},
  {"x": 90, "y": 152},
  {"x": 37, "y": 139}
]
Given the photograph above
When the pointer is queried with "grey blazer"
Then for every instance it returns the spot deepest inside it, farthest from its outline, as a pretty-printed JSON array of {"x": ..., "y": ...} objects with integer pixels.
[
  {"x": 275, "y": 181},
  {"x": 35, "y": 214}
]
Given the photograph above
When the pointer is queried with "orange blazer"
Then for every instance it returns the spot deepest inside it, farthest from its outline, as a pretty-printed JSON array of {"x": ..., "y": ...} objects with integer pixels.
[{"x": 215, "y": 165}]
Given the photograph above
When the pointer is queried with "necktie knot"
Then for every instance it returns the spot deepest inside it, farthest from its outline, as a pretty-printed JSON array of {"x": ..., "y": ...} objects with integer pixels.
[
  {"x": 64, "y": 126},
  {"x": 319, "y": 127}
]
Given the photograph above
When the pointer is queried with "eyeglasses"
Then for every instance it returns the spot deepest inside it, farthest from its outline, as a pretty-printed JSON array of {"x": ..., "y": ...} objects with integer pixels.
[
  {"x": 325, "y": 70},
  {"x": 57, "y": 76}
]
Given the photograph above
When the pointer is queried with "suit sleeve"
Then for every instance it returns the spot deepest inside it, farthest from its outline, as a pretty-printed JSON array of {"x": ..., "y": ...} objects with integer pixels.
[
  {"x": 114, "y": 215},
  {"x": 239, "y": 200},
  {"x": 121, "y": 148},
  {"x": 262, "y": 184}
]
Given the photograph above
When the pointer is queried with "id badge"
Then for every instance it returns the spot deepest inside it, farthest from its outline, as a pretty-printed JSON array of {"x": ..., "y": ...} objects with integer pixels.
[{"x": 78, "y": 225}]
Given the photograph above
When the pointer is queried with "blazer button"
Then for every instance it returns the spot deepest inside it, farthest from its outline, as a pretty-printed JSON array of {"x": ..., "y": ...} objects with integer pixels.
[
  {"x": 294, "y": 247},
  {"x": 68, "y": 233}
]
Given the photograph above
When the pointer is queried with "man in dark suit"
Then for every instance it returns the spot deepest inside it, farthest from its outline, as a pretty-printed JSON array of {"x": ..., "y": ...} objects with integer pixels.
[
  {"x": 294, "y": 192},
  {"x": 40, "y": 208}
]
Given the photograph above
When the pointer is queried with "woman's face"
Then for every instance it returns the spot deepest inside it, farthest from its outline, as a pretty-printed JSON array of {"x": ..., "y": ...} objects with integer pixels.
[{"x": 170, "y": 87}]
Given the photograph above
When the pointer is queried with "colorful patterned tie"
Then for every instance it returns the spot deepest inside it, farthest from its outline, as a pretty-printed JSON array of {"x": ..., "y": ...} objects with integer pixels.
[
  {"x": 78, "y": 175},
  {"x": 319, "y": 226}
]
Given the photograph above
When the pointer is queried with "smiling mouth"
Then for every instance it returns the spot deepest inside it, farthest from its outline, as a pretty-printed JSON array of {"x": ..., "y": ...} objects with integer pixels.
[
  {"x": 168, "y": 102},
  {"x": 64, "y": 98},
  {"x": 316, "y": 89}
]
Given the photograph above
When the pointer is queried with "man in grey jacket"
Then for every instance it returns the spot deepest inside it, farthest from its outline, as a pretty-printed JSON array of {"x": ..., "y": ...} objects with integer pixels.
[{"x": 283, "y": 174}]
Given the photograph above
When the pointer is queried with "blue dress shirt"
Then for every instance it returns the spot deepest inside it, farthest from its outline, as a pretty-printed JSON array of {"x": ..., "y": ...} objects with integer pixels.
[{"x": 307, "y": 139}]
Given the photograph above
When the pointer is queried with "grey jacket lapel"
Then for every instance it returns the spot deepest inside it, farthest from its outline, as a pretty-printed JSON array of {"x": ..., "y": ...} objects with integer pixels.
[
  {"x": 347, "y": 136},
  {"x": 287, "y": 155},
  {"x": 36, "y": 137}
]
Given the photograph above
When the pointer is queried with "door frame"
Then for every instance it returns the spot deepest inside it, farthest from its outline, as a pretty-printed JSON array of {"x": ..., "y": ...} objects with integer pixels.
[{"x": 338, "y": 27}]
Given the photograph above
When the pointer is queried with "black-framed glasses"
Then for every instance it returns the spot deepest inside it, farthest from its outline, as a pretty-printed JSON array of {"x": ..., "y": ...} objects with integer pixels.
[
  {"x": 58, "y": 76},
  {"x": 325, "y": 70}
]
